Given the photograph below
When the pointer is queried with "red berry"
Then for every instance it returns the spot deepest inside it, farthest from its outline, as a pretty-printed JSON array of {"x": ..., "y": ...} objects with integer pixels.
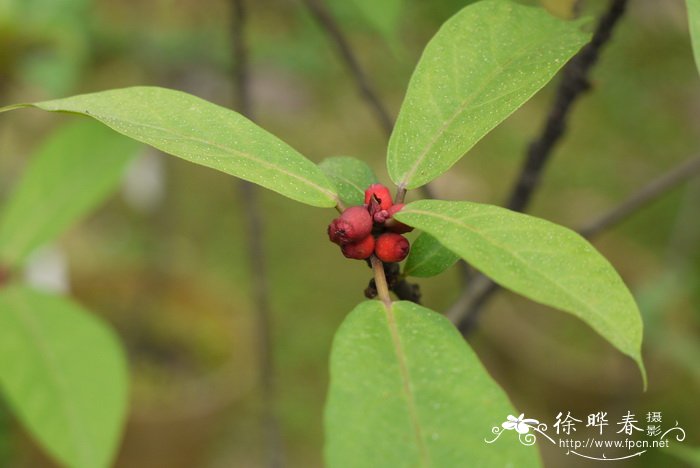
[
  {"x": 391, "y": 247},
  {"x": 379, "y": 193},
  {"x": 394, "y": 225},
  {"x": 380, "y": 216},
  {"x": 354, "y": 224},
  {"x": 359, "y": 250}
]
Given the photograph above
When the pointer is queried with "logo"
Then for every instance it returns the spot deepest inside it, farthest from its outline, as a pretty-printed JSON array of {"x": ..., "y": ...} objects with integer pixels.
[{"x": 598, "y": 439}]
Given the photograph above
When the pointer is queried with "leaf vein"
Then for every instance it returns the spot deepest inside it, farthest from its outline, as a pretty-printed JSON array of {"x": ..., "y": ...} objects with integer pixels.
[{"x": 406, "y": 379}]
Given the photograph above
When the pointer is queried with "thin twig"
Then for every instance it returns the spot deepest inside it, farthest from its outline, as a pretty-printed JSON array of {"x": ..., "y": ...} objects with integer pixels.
[
  {"x": 574, "y": 82},
  {"x": 256, "y": 251},
  {"x": 465, "y": 310},
  {"x": 241, "y": 69},
  {"x": 380, "y": 280},
  {"x": 401, "y": 194},
  {"x": 650, "y": 192},
  {"x": 324, "y": 18}
]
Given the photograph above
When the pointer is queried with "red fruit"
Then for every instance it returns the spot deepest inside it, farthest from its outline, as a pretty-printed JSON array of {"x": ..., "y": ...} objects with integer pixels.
[
  {"x": 394, "y": 225},
  {"x": 353, "y": 225},
  {"x": 380, "y": 216},
  {"x": 391, "y": 247},
  {"x": 379, "y": 193},
  {"x": 359, "y": 250}
]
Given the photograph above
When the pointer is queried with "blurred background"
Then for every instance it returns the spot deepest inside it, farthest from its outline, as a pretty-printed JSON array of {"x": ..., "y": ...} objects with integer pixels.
[{"x": 165, "y": 260}]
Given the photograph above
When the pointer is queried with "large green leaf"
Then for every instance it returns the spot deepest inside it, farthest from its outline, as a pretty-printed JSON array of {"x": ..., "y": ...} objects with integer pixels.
[
  {"x": 428, "y": 257},
  {"x": 64, "y": 374},
  {"x": 73, "y": 171},
  {"x": 203, "y": 133},
  {"x": 541, "y": 260},
  {"x": 694, "y": 24},
  {"x": 482, "y": 64},
  {"x": 350, "y": 176},
  {"x": 406, "y": 390}
]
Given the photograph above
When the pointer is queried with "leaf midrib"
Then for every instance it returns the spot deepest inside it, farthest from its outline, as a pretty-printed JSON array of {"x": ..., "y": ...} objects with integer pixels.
[{"x": 406, "y": 384}]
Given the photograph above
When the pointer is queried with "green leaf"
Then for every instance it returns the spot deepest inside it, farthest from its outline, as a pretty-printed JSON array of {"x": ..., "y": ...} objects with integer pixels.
[
  {"x": 428, "y": 257},
  {"x": 541, "y": 260},
  {"x": 406, "y": 390},
  {"x": 203, "y": 133},
  {"x": 694, "y": 24},
  {"x": 350, "y": 176},
  {"x": 76, "y": 168},
  {"x": 64, "y": 375},
  {"x": 482, "y": 64}
]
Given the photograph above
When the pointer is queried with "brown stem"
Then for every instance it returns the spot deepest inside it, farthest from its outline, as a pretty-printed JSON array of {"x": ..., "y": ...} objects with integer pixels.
[
  {"x": 380, "y": 280},
  {"x": 574, "y": 82},
  {"x": 400, "y": 194},
  {"x": 256, "y": 251}
]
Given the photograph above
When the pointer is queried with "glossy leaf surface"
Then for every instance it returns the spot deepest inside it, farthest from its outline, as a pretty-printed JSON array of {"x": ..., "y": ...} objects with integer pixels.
[{"x": 541, "y": 260}]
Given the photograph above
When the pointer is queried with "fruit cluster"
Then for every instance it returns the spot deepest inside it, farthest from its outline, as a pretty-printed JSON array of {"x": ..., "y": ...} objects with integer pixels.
[{"x": 368, "y": 229}]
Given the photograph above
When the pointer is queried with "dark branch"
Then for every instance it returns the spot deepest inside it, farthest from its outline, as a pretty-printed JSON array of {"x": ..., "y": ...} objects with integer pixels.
[
  {"x": 466, "y": 310},
  {"x": 255, "y": 229},
  {"x": 574, "y": 82},
  {"x": 320, "y": 12},
  {"x": 241, "y": 69},
  {"x": 475, "y": 295}
]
